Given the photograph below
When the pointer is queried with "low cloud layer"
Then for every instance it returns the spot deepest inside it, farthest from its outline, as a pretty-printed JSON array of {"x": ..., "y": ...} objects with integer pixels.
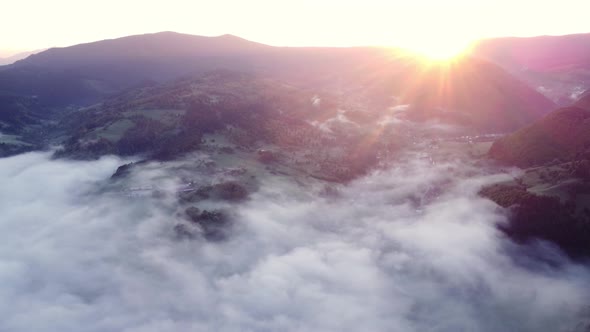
[{"x": 409, "y": 248}]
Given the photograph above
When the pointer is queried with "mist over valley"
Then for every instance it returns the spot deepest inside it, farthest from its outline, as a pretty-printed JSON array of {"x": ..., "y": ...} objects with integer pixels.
[{"x": 174, "y": 182}]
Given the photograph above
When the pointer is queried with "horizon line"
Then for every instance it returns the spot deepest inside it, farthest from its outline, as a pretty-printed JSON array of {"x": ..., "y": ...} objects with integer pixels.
[{"x": 8, "y": 52}]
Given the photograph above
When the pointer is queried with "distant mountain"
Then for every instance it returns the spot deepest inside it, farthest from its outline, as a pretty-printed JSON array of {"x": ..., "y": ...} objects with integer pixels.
[
  {"x": 562, "y": 135},
  {"x": 542, "y": 53},
  {"x": 19, "y": 56},
  {"x": 141, "y": 47},
  {"x": 88, "y": 72},
  {"x": 558, "y": 66}
]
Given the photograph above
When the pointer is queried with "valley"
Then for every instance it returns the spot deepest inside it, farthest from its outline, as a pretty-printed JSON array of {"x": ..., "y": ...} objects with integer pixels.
[
  {"x": 170, "y": 182},
  {"x": 286, "y": 122}
]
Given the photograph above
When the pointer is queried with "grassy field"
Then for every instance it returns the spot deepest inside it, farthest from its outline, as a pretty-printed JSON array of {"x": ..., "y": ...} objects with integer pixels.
[
  {"x": 166, "y": 116},
  {"x": 115, "y": 131}
]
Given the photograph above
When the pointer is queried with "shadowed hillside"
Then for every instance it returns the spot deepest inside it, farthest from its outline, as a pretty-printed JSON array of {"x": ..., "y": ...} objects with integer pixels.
[
  {"x": 89, "y": 72},
  {"x": 549, "y": 199},
  {"x": 561, "y": 135}
]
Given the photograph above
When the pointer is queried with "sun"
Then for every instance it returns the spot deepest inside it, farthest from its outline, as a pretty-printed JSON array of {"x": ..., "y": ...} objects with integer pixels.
[{"x": 438, "y": 49}]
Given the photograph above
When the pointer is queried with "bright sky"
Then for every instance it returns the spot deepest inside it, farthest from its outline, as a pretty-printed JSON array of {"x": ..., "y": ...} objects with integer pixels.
[{"x": 35, "y": 24}]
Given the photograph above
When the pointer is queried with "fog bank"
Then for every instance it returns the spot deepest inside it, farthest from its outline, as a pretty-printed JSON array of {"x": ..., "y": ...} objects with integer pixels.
[{"x": 407, "y": 248}]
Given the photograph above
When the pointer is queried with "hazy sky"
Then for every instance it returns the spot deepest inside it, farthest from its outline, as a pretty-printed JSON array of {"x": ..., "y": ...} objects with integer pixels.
[{"x": 34, "y": 24}]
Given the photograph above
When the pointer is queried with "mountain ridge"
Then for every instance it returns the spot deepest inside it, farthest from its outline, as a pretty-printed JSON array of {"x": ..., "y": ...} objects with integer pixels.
[
  {"x": 557, "y": 66},
  {"x": 563, "y": 134},
  {"x": 168, "y": 42}
]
